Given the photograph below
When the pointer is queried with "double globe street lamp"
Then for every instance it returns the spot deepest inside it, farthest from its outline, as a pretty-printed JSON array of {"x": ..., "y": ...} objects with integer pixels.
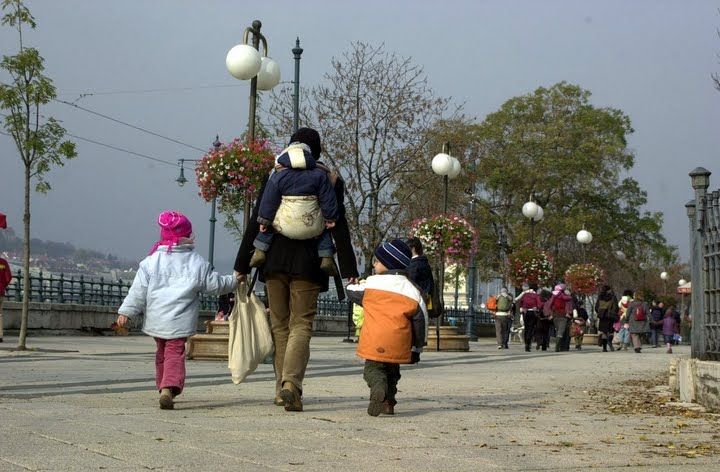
[
  {"x": 535, "y": 213},
  {"x": 584, "y": 237},
  {"x": 244, "y": 62},
  {"x": 664, "y": 276},
  {"x": 448, "y": 167}
]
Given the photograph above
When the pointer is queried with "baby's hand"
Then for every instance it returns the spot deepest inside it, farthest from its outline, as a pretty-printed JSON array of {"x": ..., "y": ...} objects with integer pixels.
[
  {"x": 329, "y": 224},
  {"x": 263, "y": 228},
  {"x": 121, "y": 320}
]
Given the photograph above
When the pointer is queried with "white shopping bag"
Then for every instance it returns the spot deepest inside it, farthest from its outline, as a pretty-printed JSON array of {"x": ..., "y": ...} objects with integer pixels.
[{"x": 250, "y": 340}]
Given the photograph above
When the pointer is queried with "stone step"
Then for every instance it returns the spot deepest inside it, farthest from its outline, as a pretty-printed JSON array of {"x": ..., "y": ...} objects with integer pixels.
[
  {"x": 208, "y": 346},
  {"x": 217, "y": 327}
]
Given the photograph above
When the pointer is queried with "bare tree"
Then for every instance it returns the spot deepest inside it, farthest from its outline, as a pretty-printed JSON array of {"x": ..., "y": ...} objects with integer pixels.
[{"x": 374, "y": 111}]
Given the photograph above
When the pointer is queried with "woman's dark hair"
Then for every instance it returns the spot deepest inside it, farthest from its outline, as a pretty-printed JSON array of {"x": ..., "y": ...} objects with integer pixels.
[
  {"x": 534, "y": 286},
  {"x": 416, "y": 245},
  {"x": 310, "y": 137},
  {"x": 628, "y": 293}
]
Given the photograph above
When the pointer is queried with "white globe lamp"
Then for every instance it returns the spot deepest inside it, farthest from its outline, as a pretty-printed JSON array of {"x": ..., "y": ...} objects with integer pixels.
[
  {"x": 540, "y": 214},
  {"x": 269, "y": 75},
  {"x": 442, "y": 164},
  {"x": 584, "y": 237},
  {"x": 682, "y": 282},
  {"x": 455, "y": 170},
  {"x": 530, "y": 210},
  {"x": 664, "y": 275},
  {"x": 243, "y": 62}
]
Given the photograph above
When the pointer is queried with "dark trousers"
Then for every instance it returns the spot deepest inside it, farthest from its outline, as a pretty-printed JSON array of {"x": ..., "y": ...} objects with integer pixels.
[
  {"x": 530, "y": 321},
  {"x": 293, "y": 304},
  {"x": 326, "y": 247},
  {"x": 655, "y": 334},
  {"x": 561, "y": 325},
  {"x": 384, "y": 374},
  {"x": 542, "y": 332}
]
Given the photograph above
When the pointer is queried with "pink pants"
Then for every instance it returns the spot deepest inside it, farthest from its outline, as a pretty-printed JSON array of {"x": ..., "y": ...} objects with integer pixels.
[{"x": 170, "y": 364}]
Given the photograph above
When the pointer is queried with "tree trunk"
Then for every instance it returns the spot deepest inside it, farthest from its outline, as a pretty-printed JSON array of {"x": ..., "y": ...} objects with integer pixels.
[{"x": 26, "y": 265}]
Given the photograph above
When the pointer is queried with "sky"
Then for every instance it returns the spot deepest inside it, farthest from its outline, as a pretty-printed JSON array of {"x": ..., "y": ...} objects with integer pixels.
[{"x": 160, "y": 65}]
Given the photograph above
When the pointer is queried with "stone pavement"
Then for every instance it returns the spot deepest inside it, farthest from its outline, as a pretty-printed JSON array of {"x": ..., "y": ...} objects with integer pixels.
[{"x": 88, "y": 403}]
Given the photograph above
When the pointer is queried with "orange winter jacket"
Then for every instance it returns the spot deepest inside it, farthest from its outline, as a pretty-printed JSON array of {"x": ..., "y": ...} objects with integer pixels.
[{"x": 395, "y": 318}]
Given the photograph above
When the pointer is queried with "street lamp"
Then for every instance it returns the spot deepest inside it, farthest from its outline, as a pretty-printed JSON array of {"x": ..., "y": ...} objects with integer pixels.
[
  {"x": 584, "y": 237},
  {"x": 244, "y": 62},
  {"x": 682, "y": 282},
  {"x": 535, "y": 213},
  {"x": 664, "y": 276},
  {"x": 181, "y": 181},
  {"x": 448, "y": 167}
]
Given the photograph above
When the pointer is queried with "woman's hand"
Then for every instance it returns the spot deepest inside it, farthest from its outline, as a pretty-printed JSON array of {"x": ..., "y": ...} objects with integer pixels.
[
  {"x": 239, "y": 277},
  {"x": 263, "y": 228}
]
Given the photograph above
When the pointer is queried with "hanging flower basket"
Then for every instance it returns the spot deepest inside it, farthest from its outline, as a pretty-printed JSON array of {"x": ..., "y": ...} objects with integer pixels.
[
  {"x": 234, "y": 172},
  {"x": 450, "y": 234},
  {"x": 584, "y": 278},
  {"x": 530, "y": 265}
]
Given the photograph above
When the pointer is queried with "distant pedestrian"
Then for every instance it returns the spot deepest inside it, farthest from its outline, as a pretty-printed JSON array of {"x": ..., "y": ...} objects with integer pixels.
[
  {"x": 226, "y": 303},
  {"x": 530, "y": 306},
  {"x": 657, "y": 313},
  {"x": 606, "y": 308},
  {"x": 638, "y": 319},
  {"x": 579, "y": 322},
  {"x": 669, "y": 329},
  {"x": 5, "y": 279},
  {"x": 167, "y": 288},
  {"x": 503, "y": 318},
  {"x": 560, "y": 306},
  {"x": 542, "y": 328},
  {"x": 394, "y": 329},
  {"x": 419, "y": 270},
  {"x": 622, "y": 326}
]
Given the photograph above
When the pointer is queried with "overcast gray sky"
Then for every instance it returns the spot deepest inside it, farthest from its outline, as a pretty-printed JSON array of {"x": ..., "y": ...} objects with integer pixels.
[{"x": 652, "y": 59}]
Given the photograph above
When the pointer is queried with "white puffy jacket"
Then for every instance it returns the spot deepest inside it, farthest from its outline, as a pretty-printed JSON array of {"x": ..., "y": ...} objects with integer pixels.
[{"x": 167, "y": 288}]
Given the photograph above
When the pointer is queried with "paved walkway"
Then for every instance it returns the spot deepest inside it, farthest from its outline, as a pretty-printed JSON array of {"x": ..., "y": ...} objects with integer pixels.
[{"x": 88, "y": 403}]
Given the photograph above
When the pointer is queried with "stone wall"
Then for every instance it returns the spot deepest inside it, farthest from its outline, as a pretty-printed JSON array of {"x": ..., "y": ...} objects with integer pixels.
[{"x": 697, "y": 382}]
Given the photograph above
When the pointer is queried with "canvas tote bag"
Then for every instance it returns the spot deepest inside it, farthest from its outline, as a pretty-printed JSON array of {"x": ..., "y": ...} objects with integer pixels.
[{"x": 250, "y": 340}]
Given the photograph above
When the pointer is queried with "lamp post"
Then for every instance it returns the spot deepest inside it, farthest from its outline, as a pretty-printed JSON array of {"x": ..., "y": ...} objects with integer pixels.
[
  {"x": 584, "y": 237},
  {"x": 244, "y": 62},
  {"x": 297, "y": 52},
  {"x": 535, "y": 213},
  {"x": 448, "y": 167},
  {"x": 181, "y": 181},
  {"x": 682, "y": 282},
  {"x": 664, "y": 276}
]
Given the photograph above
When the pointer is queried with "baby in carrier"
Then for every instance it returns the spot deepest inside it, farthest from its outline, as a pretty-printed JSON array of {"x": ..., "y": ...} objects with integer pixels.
[{"x": 299, "y": 203}]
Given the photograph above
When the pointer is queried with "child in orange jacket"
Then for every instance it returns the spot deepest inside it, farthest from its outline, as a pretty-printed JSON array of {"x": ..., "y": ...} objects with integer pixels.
[{"x": 394, "y": 329}]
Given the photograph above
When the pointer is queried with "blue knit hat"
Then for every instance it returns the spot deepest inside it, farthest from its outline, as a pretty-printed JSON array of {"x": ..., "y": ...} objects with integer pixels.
[{"x": 393, "y": 255}]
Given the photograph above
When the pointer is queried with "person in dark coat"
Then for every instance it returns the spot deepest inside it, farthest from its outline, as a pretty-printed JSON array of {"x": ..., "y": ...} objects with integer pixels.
[
  {"x": 419, "y": 270},
  {"x": 292, "y": 272},
  {"x": 606, "y": 308},
  {"x": 542, "y": 328}
]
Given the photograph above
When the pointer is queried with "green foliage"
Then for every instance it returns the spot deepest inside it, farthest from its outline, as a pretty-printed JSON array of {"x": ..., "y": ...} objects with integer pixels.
[{"x": 572, "y": 158}]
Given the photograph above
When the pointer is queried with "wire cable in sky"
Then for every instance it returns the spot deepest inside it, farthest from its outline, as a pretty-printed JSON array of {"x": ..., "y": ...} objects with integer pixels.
[
  {"x": 157, "y": 90},
  {"x": 131, "y": 126},
  {"x": 116, "y": 148}
]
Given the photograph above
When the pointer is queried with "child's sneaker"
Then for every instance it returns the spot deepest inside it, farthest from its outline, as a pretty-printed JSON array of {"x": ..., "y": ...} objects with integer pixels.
[
  {"x": 166, "y": 399},
  {"x": 258, "y": 258},
  {"x": 377, "y": 397},
  {"x": 669, "y": 350},
  {"x": 327, "y": 264}
]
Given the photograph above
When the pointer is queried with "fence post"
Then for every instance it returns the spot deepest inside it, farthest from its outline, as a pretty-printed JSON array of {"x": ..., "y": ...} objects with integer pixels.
[
  {"x": 61, "y": 288},
  {"x": 18, "y": 284},
  {"x": 700, "y": 179},
  {"x": 82, "y": 290}
]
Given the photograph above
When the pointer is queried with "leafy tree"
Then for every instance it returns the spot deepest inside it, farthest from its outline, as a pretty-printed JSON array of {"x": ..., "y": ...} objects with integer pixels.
[
  {"x": 373, "y": 111},
  {"x": 572, "y": 158},
  {"x": 39, "y": 145}
]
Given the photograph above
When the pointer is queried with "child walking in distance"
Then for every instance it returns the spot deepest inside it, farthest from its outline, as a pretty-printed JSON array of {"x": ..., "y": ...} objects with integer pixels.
[
  {"x": 669, "y": 329},
  {"x": 394, "y": 329},
  {"x": 167, "y": 288}
]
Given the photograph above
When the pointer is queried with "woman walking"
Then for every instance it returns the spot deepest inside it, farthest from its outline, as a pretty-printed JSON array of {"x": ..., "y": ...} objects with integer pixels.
[
  {"x": 637, "y": 317},
  {"x": 606, "y": 309}
]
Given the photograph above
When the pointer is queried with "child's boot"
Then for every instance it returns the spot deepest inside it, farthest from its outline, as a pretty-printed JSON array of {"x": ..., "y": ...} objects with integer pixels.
[
  {"x": 258, "y": 258},
  {"x": 166, "y": 399},
  {"x": 389, "y": 407},
  {"x": 327, "y": 264},
  {"x": 604, "y": 345},
  {"x": 377, "y": 399},
  {"x": 669, "y": 348}
]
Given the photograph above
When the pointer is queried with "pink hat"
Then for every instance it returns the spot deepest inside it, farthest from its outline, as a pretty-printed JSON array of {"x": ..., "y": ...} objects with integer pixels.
[
  {"x": 174, "y": 226},
  {"x": 558, "y": 288}
]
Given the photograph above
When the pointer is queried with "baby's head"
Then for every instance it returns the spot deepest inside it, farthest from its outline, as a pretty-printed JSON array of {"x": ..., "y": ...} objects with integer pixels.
[
  {"x": 175, "y": 228},
  {"x": 391, "y": 255}
]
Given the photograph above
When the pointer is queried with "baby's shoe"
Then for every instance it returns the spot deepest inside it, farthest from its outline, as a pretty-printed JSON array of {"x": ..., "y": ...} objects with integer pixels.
[
  {"x": 258, "y": 258},
  {"x": 327, "y": 264}
]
